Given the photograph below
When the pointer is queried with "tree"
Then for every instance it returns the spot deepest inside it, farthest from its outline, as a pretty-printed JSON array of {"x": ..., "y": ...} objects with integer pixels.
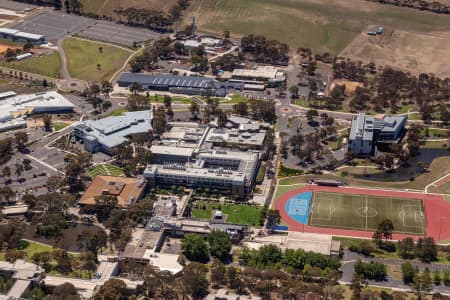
[
  {"x": 437, "y": 277},
  {"x": 446, "y": 277},
  {"x": 6, "y": 171},
  {"x": 377, "y": 238},
  {"x": 138, "y": 103},
  {"x": 47, "y": 119},
  {"x": 408, "y": 273},
  {"x": 405, "y": 248},
  {"x": 106, "y": 88},
  {"x": 21, "y": 139},
  {"x": 426, "y": 249},
  {"x": 194, "y": 279},
  {"x": 422, "y": 283},
  {"x": 273, "y": 217},
  {"x": 27, "y": 47},
  {"x": 6, "y": 150},
  {"x": 221, "y": 118},
  {"x": 357, "y": 284},
  {"x": 195, "y": 248},
  {"x": 63, "y": 261},
  {"x": 386, "y": 227},
  {"x": 136, "y": 88},
  {"x": 9, "y": 54},
  {"x": 106, "y": 105},
  {"x": 219, "y": 244},
  {"x": 159, "y": 121},
  {"x": 65, "y": 291},
  {"x": 311, "y": 114},
  {"x": 218, "y": 273},
  {"x": 194, "y": 109},
  {"x": 167, "y": 101},
  {"x": 240, "y": 108},
  {"x": 113, "y": 289},
  {"x": 19, "y": 169},
  {"x": 294, "y": 91}
]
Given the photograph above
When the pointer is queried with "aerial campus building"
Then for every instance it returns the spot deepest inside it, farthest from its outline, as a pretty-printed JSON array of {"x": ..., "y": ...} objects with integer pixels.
[
  {"x": 261, "y": 75},
  {"x": 230, "y": 171},
  {"x": 367, "y": 131},
  {"x": 106, "y": 134},
  {"x": 189, "y": 85},
  {"x": 20, "y": 36},
  {"x": 14, "y": 109}
]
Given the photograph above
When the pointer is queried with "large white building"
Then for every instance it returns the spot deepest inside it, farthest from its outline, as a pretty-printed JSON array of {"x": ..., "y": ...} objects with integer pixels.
[
  {"x": 108, "y": 133},
  {"x": 14, "y": 109},
  {"x": 230, "y": 171}
]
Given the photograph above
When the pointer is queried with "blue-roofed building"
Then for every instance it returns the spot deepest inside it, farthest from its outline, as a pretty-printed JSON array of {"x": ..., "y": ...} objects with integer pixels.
[
  {"x": 188, "y": 85},
  {"x": 366, "y": 132},
  {"x": 108, "y": 133}
]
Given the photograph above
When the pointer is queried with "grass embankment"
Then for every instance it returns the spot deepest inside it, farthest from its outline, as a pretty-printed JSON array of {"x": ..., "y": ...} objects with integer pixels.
[
  {"x": 60, "y": 125},
  {"x": 317, "y": 24},
  {"x": 287, "y": 172},
  {"x": 47, "y": 65},
  {"x": 106, "y": 170},
  {"x": 160, "y": 99},
  {"x": 87, "y": 62},
  {"x": 236, "y": 213},
  {"x": 380, "y": 179}
]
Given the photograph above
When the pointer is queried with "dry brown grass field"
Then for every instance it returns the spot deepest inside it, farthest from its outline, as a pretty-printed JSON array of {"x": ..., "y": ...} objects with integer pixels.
[
  {"x": 323, "y": 25},
  {"x": 409, "y": 51}
]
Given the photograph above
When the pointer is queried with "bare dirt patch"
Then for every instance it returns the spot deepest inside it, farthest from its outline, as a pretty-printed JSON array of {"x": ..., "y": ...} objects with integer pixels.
[
  {"x": 409, "y": 51},
  {"x": 4, "y": 47},
  {"x": 350, "y": 86}
]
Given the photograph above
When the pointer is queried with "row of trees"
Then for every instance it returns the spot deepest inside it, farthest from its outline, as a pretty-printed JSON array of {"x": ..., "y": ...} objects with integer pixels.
[
  {"x": 371, "y": 270},
  {"x": 272, "y": 257},
  {"x": 261, "y": 49},
  {"x": 433, "y": 6},
  {"x": 263, "y": 110},
  {"x": 425, "y": 249},
  {"x": 152, "y": 19}
]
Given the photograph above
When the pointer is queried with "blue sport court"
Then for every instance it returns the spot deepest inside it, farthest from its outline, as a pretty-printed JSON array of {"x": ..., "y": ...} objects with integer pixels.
[{"x": 298, "y": 206}]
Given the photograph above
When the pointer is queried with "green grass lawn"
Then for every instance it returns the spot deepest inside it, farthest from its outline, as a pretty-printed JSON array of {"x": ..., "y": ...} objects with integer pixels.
[
  {"x": 287, "y": 172},
  {"x": 47, "y": 65},
  {"x": 83, "y": 57},
  {"x": 365, "y": 212},
  {"x": 160, "y": 99},
  {"x": 106, "y": 170},
  {"x": 317, "y": 24},
  {"x": 30, "y": 249},
  {"x": 237, "y": 213},
  {"x": 60, "y": 125},
  {"x": 33, "y": 248},
  {"x": 118, "y": 112}
]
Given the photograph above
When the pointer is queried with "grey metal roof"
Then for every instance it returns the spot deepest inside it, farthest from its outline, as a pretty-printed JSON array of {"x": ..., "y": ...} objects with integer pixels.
[
  {"x": 362, "y": 127},
  {"x": 168, "y": 80},
  {"x": 113, "y": 131}
]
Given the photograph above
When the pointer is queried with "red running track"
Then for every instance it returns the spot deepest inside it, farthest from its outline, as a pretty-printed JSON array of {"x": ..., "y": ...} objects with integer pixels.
[
  {"x": 443, "y": 181},
  {"x": 437, "y": 212}
]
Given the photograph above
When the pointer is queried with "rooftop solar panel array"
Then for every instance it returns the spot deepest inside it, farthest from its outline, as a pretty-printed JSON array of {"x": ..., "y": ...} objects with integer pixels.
[{"x": 168, "y": 81}]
